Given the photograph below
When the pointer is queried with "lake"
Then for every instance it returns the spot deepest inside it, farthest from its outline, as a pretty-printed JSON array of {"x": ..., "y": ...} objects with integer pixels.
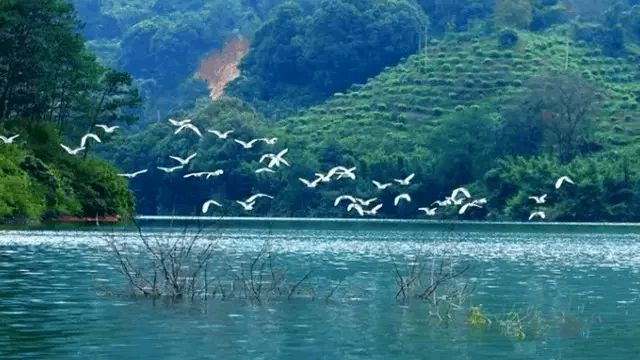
[{"x": 545, "y": 294}]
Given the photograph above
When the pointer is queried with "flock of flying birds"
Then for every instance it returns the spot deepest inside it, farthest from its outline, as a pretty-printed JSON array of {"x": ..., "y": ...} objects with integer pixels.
[{"x": 460, "y": 197}]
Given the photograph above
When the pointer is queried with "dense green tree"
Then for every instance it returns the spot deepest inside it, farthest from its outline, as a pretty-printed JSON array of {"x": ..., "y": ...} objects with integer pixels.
[
  {"x": 303, "y": 59},
  {"x": 513, "y": 13}
]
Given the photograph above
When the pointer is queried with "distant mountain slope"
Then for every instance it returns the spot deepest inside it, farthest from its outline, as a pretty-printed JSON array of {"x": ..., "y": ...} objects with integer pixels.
[{"x": 396, "y": 110}]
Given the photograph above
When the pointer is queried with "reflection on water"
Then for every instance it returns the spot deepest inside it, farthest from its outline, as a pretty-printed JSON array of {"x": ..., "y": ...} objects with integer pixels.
[{"x": 53, "y": 303}]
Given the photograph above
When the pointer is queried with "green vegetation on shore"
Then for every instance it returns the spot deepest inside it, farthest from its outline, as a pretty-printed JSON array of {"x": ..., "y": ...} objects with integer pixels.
[{"x": 52, "y": 90}]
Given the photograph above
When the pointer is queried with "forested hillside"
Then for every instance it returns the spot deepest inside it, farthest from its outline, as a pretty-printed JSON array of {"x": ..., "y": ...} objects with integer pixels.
[
  {"x": 52, "y": 90},
  {"x": 501, "y": 96}
]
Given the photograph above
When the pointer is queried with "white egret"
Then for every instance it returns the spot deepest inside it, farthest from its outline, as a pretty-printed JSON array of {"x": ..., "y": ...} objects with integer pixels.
[
  {"x": 71, "y": 151},
  {"x": 374, "y": 210},
  {"x": 538, "y": 214},
  {"x": 340, "y": 198},
  {"x": 366, "y": 202},
  {"x": 269, "y": 141},
  {"x": 248, "y": 206},
  {"x": 400, "y": 197},
  {"x": 171, "y": 169},
  {"x": 458, "y": 191},
  {"x": 311, "y": 184},
  {"x": 206, "y": 205},
  {"x": 381, "y": 186},
  {"x": 562, "y": 180},
  {"x": 247, "y": 145},
  {"x": 179, "y": 123},
  {"x": 255, "y": 197},
  {"x": 9, "y": 140},
  {"x": 108, "y": 129},
  {"x": 357, "y": 207},
  {"x": 445, "y": 202},
  {"x": 275, "y": 160},
  {"x": 207, "y": 174},
  {"x": 189, "y": 127},
  {"x": 406, "y": 181},
  {"x": 542, "y": 199},
  {"x": 466, "y": 207},
  {"x": 133, "y": 175},
  {"x": 86, "y": 137},
  {"x": 428, "y": 211},
  {"x": 221, "y": 135},
  {"x": 182, "y": 161}
]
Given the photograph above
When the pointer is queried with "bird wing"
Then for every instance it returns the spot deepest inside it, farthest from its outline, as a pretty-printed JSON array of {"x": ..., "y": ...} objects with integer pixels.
[
  {"x": 305, "y": 181},
  {"x": 140, "y": 172},
  {"x": 266, "y": 157},
  {"x": 66, "y": 148},
  {"x": 179, "y": 159},
  {"x": 396, "y": 201},
  {"x": 257, "y": 196},
  {"x": 282, "y": 153},
  {"x": 244, "y": 144},
  {"x": 562, "y": 180},
  {"x": 174, "y": 123},
  {"x": 4, "y": 139},
  {"x": 461, "y": 190},
  {"x": 13, "y": 137},
  {"x": 376, "y": 208},
  {"x": 217, "y": 133},
  {"x": 409, "y": 178},
  {"x": 191, "y": 157},
  {"x": 194, "y": 129},
  {"x": 344, "y": 197},
  {"x": 86, "y": 137},
  {"x": 464, "y": 208}
]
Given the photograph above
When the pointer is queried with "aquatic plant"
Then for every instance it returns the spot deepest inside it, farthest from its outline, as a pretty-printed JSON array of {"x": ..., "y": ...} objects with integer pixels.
[
  {"x": 436, "y": 282},
  {"x": 477, "y": 318}
]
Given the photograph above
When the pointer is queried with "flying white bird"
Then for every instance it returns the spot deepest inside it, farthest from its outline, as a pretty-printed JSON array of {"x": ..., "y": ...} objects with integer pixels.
[
  {"x": 311, "y": 184},
  {"x": 275, "y": 160},
  {"x": 374, "y": 210},
  {"x": 405, "y": 197},
  {"x": 180, "y": 123},
  {"x": 357, "y": 207},
  {"x": 246, "y": 145},
  {"x": 182, "y": 161},
  {"x": 538, "y": 214},
  {"x": 466, "y": 207},
  {"x": 85, "y": 139},
  {"x": 266, "y": 169},
  {"x": 381, "y": 186},
  {"x": 325, "y": 178},
  {"x": 458, "y": 191},
  {"x": 108, "y": 129},
  {"x": 248, "y": 206},
  {"x": 221, "y": 135},
  {"x": 170, "y": 170},
  {"x": 366, "y": 202},
  {"x": 133, "y": 175},
  {"x": 189, "y": 127},
  {"x": 342, "y": 172},
  {"x": 340, "y": 198},
  {"x": 271, "y": 141},
  {"x": 255, "y": 197},
  {"x": 539, "y": 199},
  {"x": 406, "y": 181},
  {"x": 445, "y": 202},
  {"x": 562, "y": 180},
  {"x": 9, "y": 140},
  {"x": 206, "y": 205},
  {"x": 71, "y": 151},
  {"x": 208, "y": 174},
  {"x": 429, "y": 211}
]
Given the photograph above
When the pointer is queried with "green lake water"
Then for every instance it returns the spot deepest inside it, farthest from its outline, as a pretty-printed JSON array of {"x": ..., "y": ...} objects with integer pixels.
[{"x": 61, "y": 297}]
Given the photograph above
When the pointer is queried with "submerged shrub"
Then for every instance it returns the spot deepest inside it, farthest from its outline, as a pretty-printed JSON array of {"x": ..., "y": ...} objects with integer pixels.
[{"x": 508, "y": 38}]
